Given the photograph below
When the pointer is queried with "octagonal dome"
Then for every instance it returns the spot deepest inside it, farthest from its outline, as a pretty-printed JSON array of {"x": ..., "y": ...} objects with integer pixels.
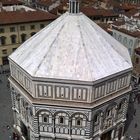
[{"x": 72, "y": 47}]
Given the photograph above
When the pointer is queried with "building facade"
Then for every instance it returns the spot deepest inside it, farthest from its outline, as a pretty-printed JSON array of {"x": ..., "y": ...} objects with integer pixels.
[
  {"x": 129, "y": 39},
  {"x": 66, "y": 85},
  {"x": 14, "y": 32}
]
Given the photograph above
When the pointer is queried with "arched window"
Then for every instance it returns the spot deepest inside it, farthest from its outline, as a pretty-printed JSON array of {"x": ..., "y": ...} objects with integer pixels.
[
  {"x": 13, "y": 39},
  {"x": 121, "y": 105},
  {"x": 109, "y": 113},
  {"x": 96, "y": 121},
  {"x": 45, "y": 118},
  {"x": 2, "y": 40},
  {"x": 79, "y": 121},
  {"x": 61, "y": 120},
  {"x": 120, "y": 38},
  {"x": 23, "y": 37}
]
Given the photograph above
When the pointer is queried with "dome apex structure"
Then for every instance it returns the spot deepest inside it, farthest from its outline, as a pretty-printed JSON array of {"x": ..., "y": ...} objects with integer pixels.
[
  {"x": 74, "y": 6},
  {"x": 72, "y": 48}
]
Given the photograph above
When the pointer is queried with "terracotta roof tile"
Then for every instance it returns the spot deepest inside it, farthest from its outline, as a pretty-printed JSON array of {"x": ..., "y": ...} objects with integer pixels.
[
  {"x": 24, "y": 17},
  {"x": 89, "y": 11},
  {"x": 45, "y": 2},
  {"x": 118, "y": 23},
  {"x": 131, "y": 33},
  {"x": 131, "y": 12},
  {"x": 10, "y": 2}
]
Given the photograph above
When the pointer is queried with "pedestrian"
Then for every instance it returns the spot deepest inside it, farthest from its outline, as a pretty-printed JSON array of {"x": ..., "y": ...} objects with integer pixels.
[
  {"x": 8, "y": 127},
  {"x": 134, "y": 112}
]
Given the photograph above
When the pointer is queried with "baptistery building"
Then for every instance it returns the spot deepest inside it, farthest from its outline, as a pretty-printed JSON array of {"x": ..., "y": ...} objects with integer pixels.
[{"x": 70, "y": 81}]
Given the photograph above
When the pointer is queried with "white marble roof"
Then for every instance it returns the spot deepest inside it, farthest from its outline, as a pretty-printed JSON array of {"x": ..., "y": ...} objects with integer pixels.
[{"x": 73, "y": 48}]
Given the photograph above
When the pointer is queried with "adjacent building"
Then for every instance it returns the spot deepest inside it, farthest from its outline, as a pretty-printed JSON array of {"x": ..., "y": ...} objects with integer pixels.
[
  {"x": 47, "y": 5},
  {"x": 18, "y": 26},
  {"x": 71, "y": 81},
  {"x": 136, "y": 63},
  {"x": 127, "y": 30},
  {"x": 130, "y": 39}
]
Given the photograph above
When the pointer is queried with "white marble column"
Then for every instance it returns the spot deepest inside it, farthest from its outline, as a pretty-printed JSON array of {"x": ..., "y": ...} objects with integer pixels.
[{"x": 112, "y": 134}]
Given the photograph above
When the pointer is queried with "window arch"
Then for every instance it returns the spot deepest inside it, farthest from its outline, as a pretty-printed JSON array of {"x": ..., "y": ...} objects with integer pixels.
[
  {"x": 96, "y": 120},
  {"x": 121, "y": 105},
  {"x": 110, "y": 110},
  {"x": 120, "y": 109},
  {"x": 45, "y": 118},
  {"x": 79, "y": 119},
  {"x": 13, "y": 39},
  {"x": 61, "y": 118}
]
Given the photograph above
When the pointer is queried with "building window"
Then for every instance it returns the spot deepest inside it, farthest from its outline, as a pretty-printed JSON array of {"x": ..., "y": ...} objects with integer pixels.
[
  {"x": 79, "y": 121},
  {"x": 33, "y": 33},
  {"x": 5, "y": 60},
  {"x": 42, "y": 26},
  {"x": 4, "y": 51},
  {"x": 120, "y": 107},
  {"x": 109, "y": 113},
  {"x": 23, "y": 37},
  {"x": 96, "y": 122},
  {"x": 131, "y": 43},
  {"x": 96, "y": 118},
  {"x": 1, "y": 30},
  {"x": 137, "y": 60},
  {"x": 22, "y": 28},
  {"x": 12, "y": 29},
  {"x": 13, "y": 49},
  {"x": 125, "y": 41},
  {"x": 129, "y": 50},
  {"x": 61, "y": 120},
  {"x": 3, "y": 40},
  {"x": 32, "y": 27},
  {"x": 13, "y": 39},
  {"x": 45, "y": 118}
]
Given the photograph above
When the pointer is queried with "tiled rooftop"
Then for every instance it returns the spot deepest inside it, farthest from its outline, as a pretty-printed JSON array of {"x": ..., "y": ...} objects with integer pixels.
[
  {"x": 24, "y": 17},
  {"x": 10, "y": 2},
  {"x": 89, "y": 11}
]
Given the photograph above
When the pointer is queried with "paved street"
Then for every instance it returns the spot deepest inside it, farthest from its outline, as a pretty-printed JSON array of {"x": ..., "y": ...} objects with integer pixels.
[{"x": 6, "y": 116}]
